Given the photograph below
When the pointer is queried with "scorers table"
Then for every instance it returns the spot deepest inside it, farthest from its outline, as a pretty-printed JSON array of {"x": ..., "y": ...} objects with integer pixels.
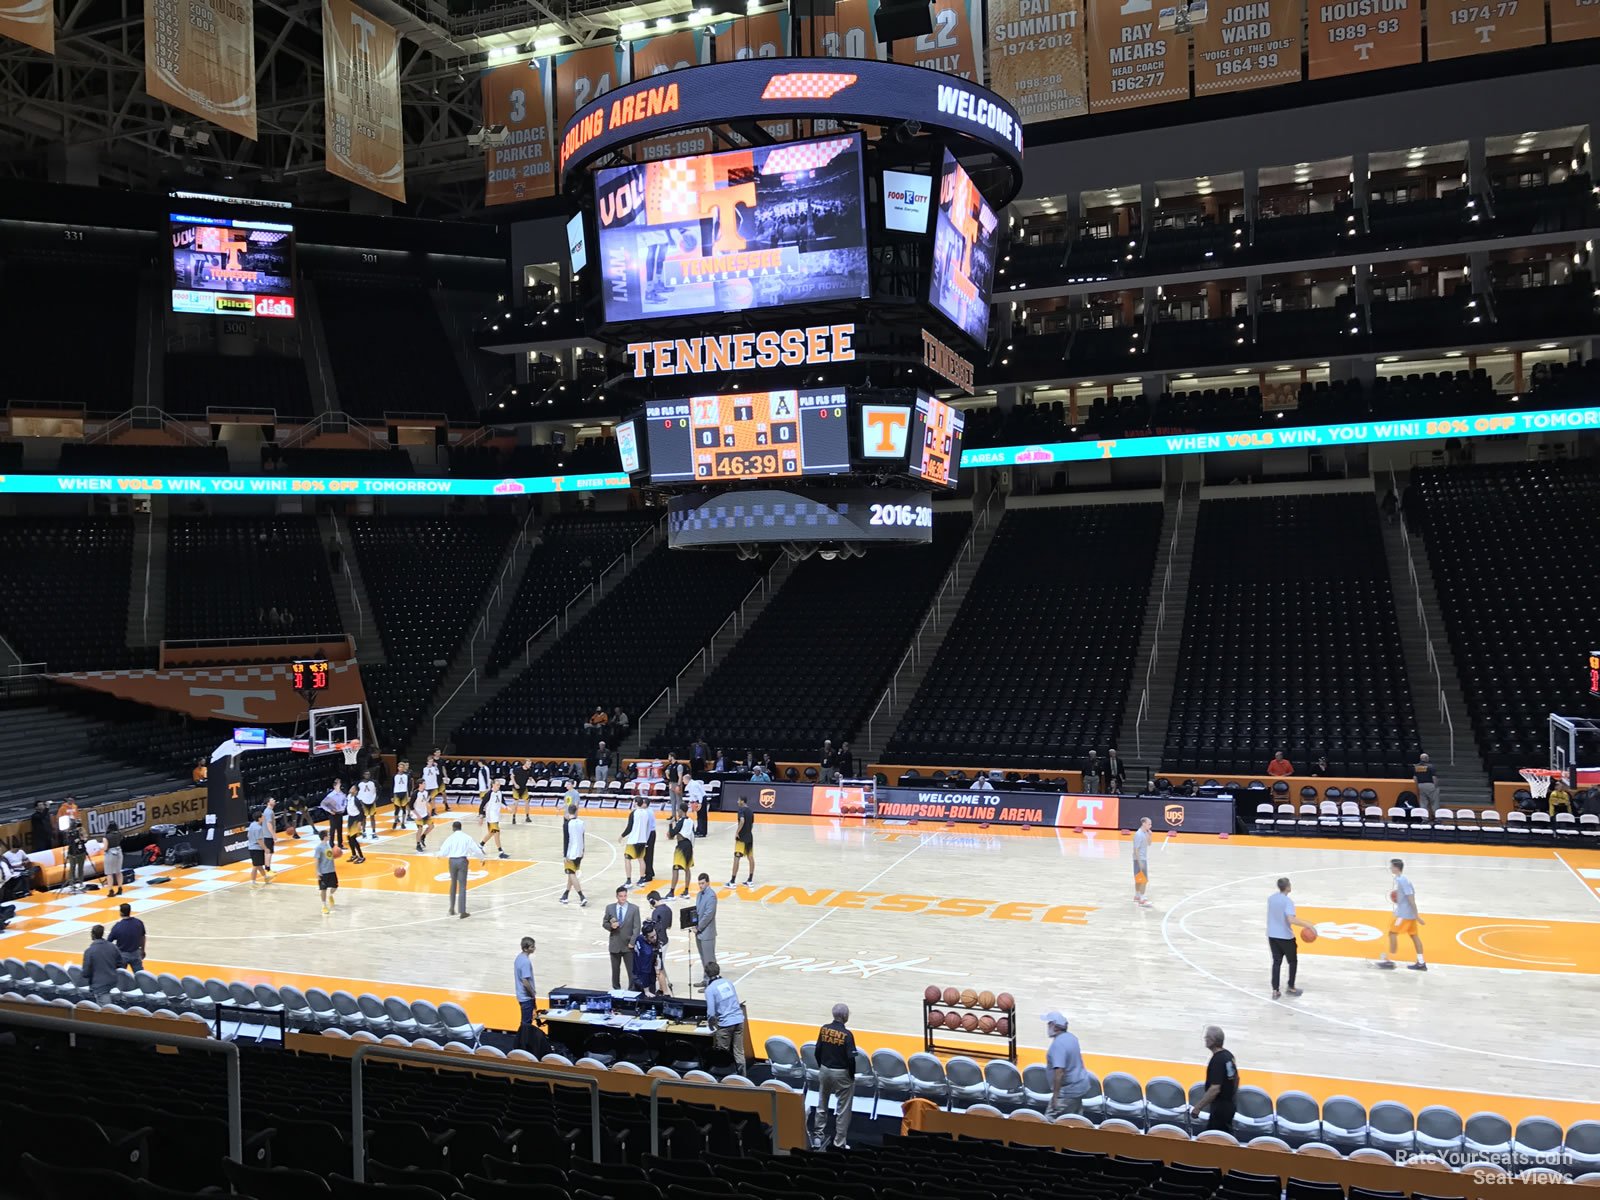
[{"x": 671, "y": 1027}]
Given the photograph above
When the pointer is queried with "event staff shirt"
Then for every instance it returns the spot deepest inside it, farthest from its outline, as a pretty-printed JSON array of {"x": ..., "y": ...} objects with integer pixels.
[{"x": 836, "y": 1047}]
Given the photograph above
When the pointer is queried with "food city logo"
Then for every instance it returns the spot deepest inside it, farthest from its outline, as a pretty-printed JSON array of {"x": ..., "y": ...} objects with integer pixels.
[
  {"x": 808, "y": 346},
  {"x": 1038, "y": 912}
]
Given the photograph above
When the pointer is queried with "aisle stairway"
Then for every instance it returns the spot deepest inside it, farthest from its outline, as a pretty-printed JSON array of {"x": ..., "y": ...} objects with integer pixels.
[{"x": 1144, "y": 721}]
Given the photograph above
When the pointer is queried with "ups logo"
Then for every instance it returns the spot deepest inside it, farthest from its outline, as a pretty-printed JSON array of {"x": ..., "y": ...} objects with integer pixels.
[
  {"x": 1173, "y": 814},
  {"x": 768, "y": 798}
]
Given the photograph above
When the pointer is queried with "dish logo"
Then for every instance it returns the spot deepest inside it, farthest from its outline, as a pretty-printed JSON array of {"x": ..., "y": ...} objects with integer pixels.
[
  {"x": 1173, "y": 814},
  {"x": 768, "y": 798},
  {"x": 274, "y": 306}
]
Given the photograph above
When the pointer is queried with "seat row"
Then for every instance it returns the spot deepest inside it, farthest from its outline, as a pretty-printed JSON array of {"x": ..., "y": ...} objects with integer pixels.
[{"x": 1346, "y": 818}]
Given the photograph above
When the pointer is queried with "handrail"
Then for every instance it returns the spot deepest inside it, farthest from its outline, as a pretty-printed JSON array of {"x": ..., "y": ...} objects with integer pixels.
[
  {"x": 284, "y": 639},
  {"x": 149, "y": 549},
  {"x": 358, "y": 1140},
  {"x": 1432, "y": 654},
  {"x": 527, "y": 646},
  {"x": 1144, "y": 709},
  {"x": 655, "y": 1104},
  {"x": 159, "y": 1037},
  {"x": 434, "y": 724}
]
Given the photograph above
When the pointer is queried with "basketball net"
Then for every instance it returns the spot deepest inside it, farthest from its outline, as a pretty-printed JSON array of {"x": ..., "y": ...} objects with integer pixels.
[{"x": 1540, "y": 780}]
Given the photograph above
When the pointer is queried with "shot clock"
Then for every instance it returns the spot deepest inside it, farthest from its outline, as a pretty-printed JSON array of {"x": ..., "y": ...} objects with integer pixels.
[{"x": 310, "y": 675}]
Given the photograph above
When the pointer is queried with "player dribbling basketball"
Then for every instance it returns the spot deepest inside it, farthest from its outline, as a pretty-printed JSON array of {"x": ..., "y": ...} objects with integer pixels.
[
  {"x": 1406, "y": 920},
  {"x": 1141, "y": 861}
]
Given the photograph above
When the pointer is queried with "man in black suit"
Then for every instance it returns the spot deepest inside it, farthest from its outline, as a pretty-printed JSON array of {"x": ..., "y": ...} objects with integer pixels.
[{"x": 621, "y": 922}]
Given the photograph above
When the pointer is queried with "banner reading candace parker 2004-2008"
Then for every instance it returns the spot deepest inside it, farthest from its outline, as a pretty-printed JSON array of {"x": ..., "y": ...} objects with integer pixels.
[
  {"x": 522, "y": 167},
  {"x": 1036, "y": 57},
  {"x": 361, "y": 66},
  {"x": 200, "y": 56}
]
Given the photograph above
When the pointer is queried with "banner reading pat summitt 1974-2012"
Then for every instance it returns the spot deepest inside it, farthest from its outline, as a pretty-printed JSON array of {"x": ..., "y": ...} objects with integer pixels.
[{"x": 1036, "y": 57}]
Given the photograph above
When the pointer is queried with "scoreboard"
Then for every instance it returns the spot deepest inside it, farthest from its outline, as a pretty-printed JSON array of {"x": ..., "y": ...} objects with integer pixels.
[
  {"x": 310, "y": 674},
  {"x": 1594, "y": 672},
  {"x": 936, "y": 441},
  {"x": 748, "y": 436}
]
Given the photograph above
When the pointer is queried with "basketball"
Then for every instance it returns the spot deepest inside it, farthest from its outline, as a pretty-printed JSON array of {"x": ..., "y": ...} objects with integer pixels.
[
  {"x": 1005, "y": 1001},
  {"x": 985, "y": 999},
  {"x": 930, "y": 994},
  {"x": 1308, "y": 934},
  {"x": 986, "y": 1024},
  {"x": 1003, "y": 1026},
  {"x": 952, "y": 996},
  {"x": 338, "y": 851},
  {"x": 935, "y": 1019},
  {"x": 1394, "y": 897},
  {"x": 969, "y": 1023},
  {"x": 952, "y": 1020},
  {"x": 400, "y": 871},
  {"x": 969, "y": 998}
]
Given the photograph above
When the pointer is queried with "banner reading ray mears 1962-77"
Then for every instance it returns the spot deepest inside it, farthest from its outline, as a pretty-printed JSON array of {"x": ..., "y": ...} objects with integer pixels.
[
  {"x": 200, "y": 56},
  {"x": 361, "y": 65}
]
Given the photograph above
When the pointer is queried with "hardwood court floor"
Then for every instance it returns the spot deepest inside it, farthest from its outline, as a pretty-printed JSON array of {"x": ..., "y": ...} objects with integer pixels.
[{"x": 870, "y": 915}]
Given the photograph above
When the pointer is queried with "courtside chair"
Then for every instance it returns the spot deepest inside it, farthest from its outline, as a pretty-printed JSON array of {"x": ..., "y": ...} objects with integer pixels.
[
  {"x": 1372, "y": 819},
  {"x": 243, "y": 995},
  {"x": 783, "y": 1059},
  {"x": 1487, "y": 1134},
  {"x": 1582, "y": 1144},
  {"x": 1028, "y": 1114},
  {"x": 218, "y": 991},
  {"x": 1392, "y": 1126},
  {"x": 1537, "y": 1139},
  {"x": 1517, "y": 823},
  {"x": 1266, "y": 817},
  {"x": 894, "y": 1077},
  {"x": 1298, "y": 1119},
  {"x": 347, "y": 1011},
  {"x": 323, "y": 1013},
  {"x": 866, "y": 1079},
  {"x": 400, "y": 1018},
  {"x": 1005, "y": 1084},
  {"x": 296, "y": 1011},
  {"x": 373, "y": 1014},
  {"x": 928, "y": 1079},
  {"x": 808, "y": 1056},
  {"x": 1370, "y": 1154},
  {"x": 428, "y": 1019},
  {"x": 150, "y": 986},
  {"x": 1165, "y": 1101},
  {"x": 1196, "y": 1090},
  {"x": 1036, "y": 1086},
  {"x": 200, "y": 1000},
  {"x": 62, "y": 983},
  {"x": 172, "y": 988},
  {"x": 1344, "y": 1122},
  {"x": 967, "y": 1085},
  {"x": 460, "y": 1026},
  {"x": 1094, "y": 1100},
  {"x": 1124, "y": 1097},
  {"x": 1439, "y": 1128}
]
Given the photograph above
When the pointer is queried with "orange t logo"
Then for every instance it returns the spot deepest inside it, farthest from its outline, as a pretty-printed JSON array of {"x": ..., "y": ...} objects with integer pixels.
[
  {"x": 724, "y": 201},
  {"x": 889, "y": 425},
  {"x": 233, "y": 791}
]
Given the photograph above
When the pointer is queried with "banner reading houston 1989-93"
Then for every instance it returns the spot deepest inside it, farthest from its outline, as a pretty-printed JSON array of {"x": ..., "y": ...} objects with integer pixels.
[
  {"x": 521, "y": 168},
  {"x": 1036, "y": 57},
  {"x": 200, "y": 56},
  {"x": 31, "y": 22},
  {"x": 361, "y": 65}
]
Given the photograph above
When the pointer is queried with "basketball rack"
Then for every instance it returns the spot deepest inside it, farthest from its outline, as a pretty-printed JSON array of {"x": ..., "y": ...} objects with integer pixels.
[{"x": 975, "y": 1044}]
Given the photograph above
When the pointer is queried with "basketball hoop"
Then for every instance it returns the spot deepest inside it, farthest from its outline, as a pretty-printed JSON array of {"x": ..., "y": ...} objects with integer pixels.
[
  {"x": 351, "y": 750},
  {"x": 1540, "y": 780}
]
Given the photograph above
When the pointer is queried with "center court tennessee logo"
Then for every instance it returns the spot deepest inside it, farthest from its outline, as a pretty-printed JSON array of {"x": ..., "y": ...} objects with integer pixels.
[
  {"x": 1173, "y": 814},
  {"x": 768, "y": 798}
]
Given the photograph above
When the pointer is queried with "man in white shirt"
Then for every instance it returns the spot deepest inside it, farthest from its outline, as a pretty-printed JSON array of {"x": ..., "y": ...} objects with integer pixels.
[
  {"x": 367, "y": 794},
  {"x": 572, "y": 854},
  {"x": 333, "y": 805},
  {"x": 724, "y": 1015},
  {"x": 457, "y": 849},
  {"x": 1281, "y": 923},
  {"x": 430, "y": 776},
  {"x": 1406, "y": 918},
  {"x": 401, "y": 797},
  {"x": 981, "y": 784}
]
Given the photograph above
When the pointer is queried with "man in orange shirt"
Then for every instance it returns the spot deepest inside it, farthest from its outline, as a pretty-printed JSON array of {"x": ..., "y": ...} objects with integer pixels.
[{"x": 1280, "y": 765}]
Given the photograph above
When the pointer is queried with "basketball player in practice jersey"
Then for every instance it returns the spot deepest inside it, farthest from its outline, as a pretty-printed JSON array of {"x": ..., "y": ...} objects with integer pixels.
[
  {"x": 521, "y": 780},
  {"x": 431, "y": 777},
  {"x": 744, "y": 844},
  {"x": 1406, "y": 919},
  {"x": 491, "y": 821},
  {"x": 422, "y": 814},
  {"x": 483, "y": 787},
  {"x": 401, "y": 797},
  {"x": 367, "y": 796},
  {"x": 681, "y": 828},
  {"x": 1141, "y": 861},
  {"x": 572, "y": 854},
  {"x": 635, "y": 838}
]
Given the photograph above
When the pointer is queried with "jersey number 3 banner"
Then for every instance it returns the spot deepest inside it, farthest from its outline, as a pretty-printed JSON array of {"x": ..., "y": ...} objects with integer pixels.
[
  {"x": 361, "y": 68},
  {"x": 200, "y": 56}
]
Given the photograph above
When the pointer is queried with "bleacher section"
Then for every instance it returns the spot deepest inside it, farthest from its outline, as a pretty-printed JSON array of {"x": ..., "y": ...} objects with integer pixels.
[
  {"x": 359, "y": 315},
  {"x": 226, "y": 576},
  {"x": 64, "y": 590},
  {"x": 1512, "y": 548},
  {"x": 426, "y": 577},
  {"x": 1290, "y": 641},
  {"x": 1034, "y": 670},
  {"x": 817, "y": 658},
  {"x": 52, "y": 752},
  {"x": 572, "y": 550},
  {"x": 624, "y": 652},
  {"x": 106, "y": 458},
  {"x": 197, "y": 382},
  {"x": 46, "y": 326}
]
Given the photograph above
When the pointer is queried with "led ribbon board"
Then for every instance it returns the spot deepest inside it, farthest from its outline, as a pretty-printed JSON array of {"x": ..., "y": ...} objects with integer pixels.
[{"x": 764, "y": 89}]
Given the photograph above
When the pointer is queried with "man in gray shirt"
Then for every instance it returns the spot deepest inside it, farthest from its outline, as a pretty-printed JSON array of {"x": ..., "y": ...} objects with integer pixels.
[
  {"x": 705, "y": 921},
  {"x": 1141, "y": 861},
  {"x": 1406, "y": 920},
  {"x": 1069, "y": 1082},
  {"x": 101, "y": 962},
  {"x": 255, "y": 843}
]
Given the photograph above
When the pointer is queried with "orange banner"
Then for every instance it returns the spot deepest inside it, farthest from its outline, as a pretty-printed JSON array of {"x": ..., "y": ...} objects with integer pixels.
[
  {"x": 1036, "y": 57},
  {"x": 521, "y": 168},
  {"x": 200, "y": 56},
  {"x": 1244, "y": 46},
  {"x": 846, "y": 34},
  {"x": 765, "y": 35},
  {"x": 1574, "y": 20},
  {"x": 361, "y": 73},
  {"x": 953, "y": 47},
  {"x": 261, "y": 695},
  {"x": 1348, "y": 37},
  {"x": 31, "y": 22},
  {"x": 1457, "y": 28},
  {"x": 657, "y": 56},
  {"x": 1132, "y": 60},
  {"x": 582, "y": 76}
]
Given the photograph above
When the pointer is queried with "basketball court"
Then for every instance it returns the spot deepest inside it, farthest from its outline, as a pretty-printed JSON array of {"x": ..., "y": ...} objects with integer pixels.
[{"x": 872, "y": 914}]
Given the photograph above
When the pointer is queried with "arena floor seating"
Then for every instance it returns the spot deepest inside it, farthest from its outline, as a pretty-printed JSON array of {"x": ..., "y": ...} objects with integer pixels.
[
  {"x": 832, "y": 653},
  {"x": 624, "y": 652},
  {"x": 64, "y": 591},
  {"x": 1290, "y": 641},
  {"x": 572, "y": 550},
  {"x": 360, "y": 313},
  {"x": 426, "y": 577},
  {"x": 1506, "y": 543},
  {"x": 1034, "y": 670},
  {"x": 225, "y": 575}
]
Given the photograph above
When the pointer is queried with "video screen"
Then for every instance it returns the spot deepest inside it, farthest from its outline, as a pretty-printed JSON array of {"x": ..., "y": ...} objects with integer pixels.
[
  {"x": 628, "y": 446},
  {"x": 905, "y": 201},
  {"x": 936, "y": 441},
  {"x": 577, "y": 246},
  {"x": 734, "y": 230},
  {"x": 965, "y": 236},
  {"x": 232, "y": 268},
  {"x": 749, "y": 435}
]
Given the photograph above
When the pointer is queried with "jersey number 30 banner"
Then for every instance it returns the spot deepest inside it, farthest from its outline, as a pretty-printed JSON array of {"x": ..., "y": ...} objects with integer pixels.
[
  {"x": 200, "y": 56},
  {"x": 361, "y": 69}
]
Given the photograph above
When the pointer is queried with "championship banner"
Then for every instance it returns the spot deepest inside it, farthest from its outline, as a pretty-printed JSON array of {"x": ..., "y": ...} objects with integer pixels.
[
  {"x": 206, "y": 64},
  {"x": 1352, "y": 36},
  {"x": 765, "y": 35},
  {"x": 523, "y": 168},
  {"x": 657, "y": 56},
  {"x": 260, "y": 695},
  {"x": 1573, "y": 20},
  {"x": 1457, "y": 28},
  {"x": 1036, "y": 57},
  {"x": 1251, "y": 45},
  {"x": 361, "y": 65},
  {"x": 955, "y": 46},
  {"x": 31, "y": 22},
  {"x": 582, "y": 76},
  {"x": 1132, "y": 60}
]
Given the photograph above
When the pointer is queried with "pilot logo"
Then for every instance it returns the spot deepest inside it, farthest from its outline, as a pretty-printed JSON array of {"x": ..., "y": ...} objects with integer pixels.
[
  {"x": 768, "y": 798},
  {"x": 1173, "y": 814}
]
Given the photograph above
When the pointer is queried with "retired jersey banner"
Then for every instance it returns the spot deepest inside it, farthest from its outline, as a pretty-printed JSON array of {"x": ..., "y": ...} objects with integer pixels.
[
  {"x": 657, "y": 56},
  {"x": 1351, "y": 36},
  {"x": 955, "y": 46},
  {"x": 1574, "y": 20},
  {"x": 846, "y": 34},
  {"x": 361, "y": 69},
  {"x": 523, "y": 167},
  {"x": 200, "y": 56},
  {"x": 1132, "y": 60},
  {"x": 1457, "y": 28},
  {"x": 1036, "y": 57},
  {"x": 1243, "y": 46},
  {"x": 31, "y": 22},
  {"x": 765, "y": 35},
  {"x": 583, "y": 76}
]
